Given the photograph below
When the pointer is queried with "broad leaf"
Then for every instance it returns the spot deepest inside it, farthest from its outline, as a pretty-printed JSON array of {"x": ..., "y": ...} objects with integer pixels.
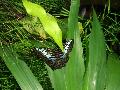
[{"x": 48, "y": 21}]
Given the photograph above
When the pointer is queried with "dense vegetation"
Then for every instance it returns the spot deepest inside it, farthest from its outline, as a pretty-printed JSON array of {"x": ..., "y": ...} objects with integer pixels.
[{"x": 19, "y": 30}]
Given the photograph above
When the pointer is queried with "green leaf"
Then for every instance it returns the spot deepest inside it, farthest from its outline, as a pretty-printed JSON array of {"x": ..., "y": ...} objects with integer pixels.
[
  {"x": 75, "y": 68},
  {"x": 58, "y": 78},
  {"x": 48, "y": 21},
  {"x": 113, "y": 72},
  {"x": 95, "y": 76},
  {"x": 71, "y": 76},
  {"x": 19, "y": 69},
  {"x": 73, "y": 18}
]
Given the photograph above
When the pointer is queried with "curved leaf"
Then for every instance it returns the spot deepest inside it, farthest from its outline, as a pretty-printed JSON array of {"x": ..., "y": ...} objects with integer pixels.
[{"x": 48, "y": 21}]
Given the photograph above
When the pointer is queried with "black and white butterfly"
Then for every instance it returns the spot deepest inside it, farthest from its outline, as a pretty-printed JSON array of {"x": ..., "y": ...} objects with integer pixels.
[{"x": 55, "y": 58}]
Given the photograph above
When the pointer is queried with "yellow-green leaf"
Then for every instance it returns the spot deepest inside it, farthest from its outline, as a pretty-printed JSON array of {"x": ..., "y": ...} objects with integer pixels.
[{"x": 48, "y": 21}]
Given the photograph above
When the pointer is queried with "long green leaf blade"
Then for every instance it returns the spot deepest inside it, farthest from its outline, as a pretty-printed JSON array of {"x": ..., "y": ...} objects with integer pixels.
[
  {"x": 75, "y": 68},
  {"x": 19, "y": 69},
  {"x": 71, "y": 76},
  {"x": 95, "y": 76}
]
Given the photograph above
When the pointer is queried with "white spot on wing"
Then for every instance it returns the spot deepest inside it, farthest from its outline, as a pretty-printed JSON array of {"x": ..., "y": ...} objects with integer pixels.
[{"x": 67, "y": 45}]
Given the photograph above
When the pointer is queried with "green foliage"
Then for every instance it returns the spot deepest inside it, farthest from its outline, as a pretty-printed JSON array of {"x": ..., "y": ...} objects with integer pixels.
[
  {"x": 51, "y": 6},
  {"x": 18, "y": 37},
  {"x": 12, "y": 32},
  {"x": 19, "y": 69},
  {"x": 48, "y": 21},
  {"x": 96, "y": 68},
  {"x": 113, "y": 72},
  {"x": 67, "y": 77}
]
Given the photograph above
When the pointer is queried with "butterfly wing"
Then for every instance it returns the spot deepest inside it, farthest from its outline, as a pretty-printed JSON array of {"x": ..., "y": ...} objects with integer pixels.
[{"x": 56, "y": 59}]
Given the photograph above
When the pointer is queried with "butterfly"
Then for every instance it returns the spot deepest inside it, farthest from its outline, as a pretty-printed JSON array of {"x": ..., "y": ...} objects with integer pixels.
[{"x": 55, "y": 58}]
